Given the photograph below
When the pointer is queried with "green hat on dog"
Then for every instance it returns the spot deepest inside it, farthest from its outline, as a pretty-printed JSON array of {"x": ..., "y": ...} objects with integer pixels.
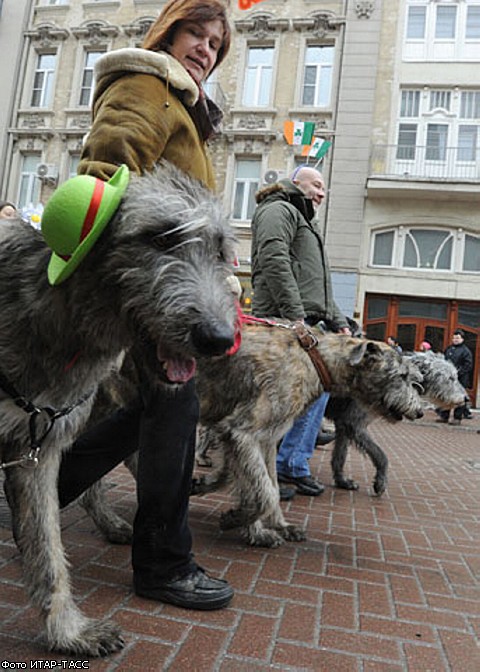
[{"x": 75, "y": 216}]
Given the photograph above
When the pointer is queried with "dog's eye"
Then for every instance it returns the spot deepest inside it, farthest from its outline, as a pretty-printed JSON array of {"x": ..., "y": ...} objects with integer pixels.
[{"x": 165, "y": 241}]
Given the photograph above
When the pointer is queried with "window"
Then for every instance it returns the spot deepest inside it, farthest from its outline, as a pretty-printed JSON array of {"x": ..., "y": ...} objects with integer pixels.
[
  {"x": 317, "y": 80},
  {"x": 382, "y": 254},
  {"x": 74, "y": 160},
  {"x": 43, "y": 80},
  {"x": 29, "y": 190},
  {"x": 467, "y": 143},
  {"x": 258, "y": 78},
  {"x": 426, "y": 249},
  {"x": 247, "y": 182},
  {"x": 416, "y": 23},
  {"x": 446, "y": 22},
  {"x": 437, "y": 135},
  {"x": 407, "y": 141},
  {"x": 472, "y": 31},
  {"x": 471, "y": 257},
  {"x": 410, "y": 103},
  {"x": 470, "y": 105},
  {"x": 442, "y": 30},
  {"x": 440, "y": 100},
  {"x": 87, "y": 87}
]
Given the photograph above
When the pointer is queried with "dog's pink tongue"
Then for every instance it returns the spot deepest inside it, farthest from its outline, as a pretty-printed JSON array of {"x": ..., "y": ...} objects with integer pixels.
[{"x": 180, "y": 370}]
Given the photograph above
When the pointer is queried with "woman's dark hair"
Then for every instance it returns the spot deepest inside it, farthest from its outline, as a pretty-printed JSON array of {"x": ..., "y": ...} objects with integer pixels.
[{"x": 160, "y": 35}]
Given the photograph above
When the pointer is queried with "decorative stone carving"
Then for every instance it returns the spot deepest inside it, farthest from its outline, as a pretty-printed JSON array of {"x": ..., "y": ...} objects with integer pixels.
[
  {"x": 364, "y": 9},
  {"x": 96, "y": 32},
  {"x": 80, "y": 122},
  {"x": 261, "y": 25},
  {"x": 47, "y": 35},
  {"x": 251, "y": 122},
  {"x": 319, "y": 23},
  {"x": 138, "y": 28},
  {"x": 33, "y": 121}
]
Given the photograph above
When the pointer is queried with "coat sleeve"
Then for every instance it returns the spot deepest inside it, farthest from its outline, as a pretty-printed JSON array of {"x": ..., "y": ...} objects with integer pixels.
[
  {"x": 130, "y": 126},
  {"x": 276, "y": 227}
]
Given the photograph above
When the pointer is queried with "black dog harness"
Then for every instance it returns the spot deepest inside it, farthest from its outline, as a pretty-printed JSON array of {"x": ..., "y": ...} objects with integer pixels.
[{"x": 30, "y": 459}]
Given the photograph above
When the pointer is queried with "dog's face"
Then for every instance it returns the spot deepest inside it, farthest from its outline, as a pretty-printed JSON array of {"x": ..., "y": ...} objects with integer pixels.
[
  {"x": 390, "y": 383},
  {"x": 441, "y": 386},
  {"x": 172, "y": 253}
]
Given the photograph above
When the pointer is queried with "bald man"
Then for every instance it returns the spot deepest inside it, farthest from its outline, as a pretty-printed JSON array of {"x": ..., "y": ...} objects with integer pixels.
[{"x": 291, "y": 279}]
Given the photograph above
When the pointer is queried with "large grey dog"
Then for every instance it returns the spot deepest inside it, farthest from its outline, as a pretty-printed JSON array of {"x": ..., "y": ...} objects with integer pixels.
[
  {"x": 440, "y": 387},
  {"x": 248, "y": 401},
  {"x": 157, "y": 272}
]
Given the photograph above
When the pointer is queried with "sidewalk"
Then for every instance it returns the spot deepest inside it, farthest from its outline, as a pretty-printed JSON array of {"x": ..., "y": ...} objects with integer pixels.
[{"x": 381, "y": 585}]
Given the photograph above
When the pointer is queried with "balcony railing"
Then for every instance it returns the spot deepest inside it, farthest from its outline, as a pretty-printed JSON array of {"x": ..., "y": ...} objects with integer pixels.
[{"x": 409, "y": 162}]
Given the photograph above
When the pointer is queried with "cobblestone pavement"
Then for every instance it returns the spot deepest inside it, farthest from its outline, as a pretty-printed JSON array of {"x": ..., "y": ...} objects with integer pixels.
[{"x": 381, "y": 585}]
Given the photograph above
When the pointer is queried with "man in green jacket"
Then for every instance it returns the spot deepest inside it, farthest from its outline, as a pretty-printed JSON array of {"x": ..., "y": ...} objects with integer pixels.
[{"x": 291, "y": 279}]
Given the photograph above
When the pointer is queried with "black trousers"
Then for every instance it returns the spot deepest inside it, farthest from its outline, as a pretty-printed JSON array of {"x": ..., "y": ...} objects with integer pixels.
[{"x": 162, "y": 427}]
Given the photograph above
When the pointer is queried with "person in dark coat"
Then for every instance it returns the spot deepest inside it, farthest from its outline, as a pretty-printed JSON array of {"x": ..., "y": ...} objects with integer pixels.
[
  {"x": 291, "y": 279},
  {"x": 461, "y": 357}
]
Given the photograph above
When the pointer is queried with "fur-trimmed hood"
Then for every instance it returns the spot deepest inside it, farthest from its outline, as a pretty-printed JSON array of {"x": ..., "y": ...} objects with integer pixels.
[
  {"x": 285, "y": 190},
  {"x": 142, "y": 61}
]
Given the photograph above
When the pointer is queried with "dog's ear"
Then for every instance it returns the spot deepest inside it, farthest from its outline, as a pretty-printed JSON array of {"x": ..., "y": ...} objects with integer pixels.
[{"x": 365, "y": 349}]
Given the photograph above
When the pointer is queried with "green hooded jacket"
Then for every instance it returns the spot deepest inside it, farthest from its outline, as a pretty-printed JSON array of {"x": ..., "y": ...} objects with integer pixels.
[{"x": 290, "y": 272}]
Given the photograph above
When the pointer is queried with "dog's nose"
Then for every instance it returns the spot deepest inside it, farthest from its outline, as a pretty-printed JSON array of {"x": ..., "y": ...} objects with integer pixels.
[
  {"x": 212, "y": 339},
  {"x": 419, "y": 414}
]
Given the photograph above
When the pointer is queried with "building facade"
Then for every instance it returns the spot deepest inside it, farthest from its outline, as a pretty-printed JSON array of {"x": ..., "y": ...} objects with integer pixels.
[{"x": 393, "y": 86}]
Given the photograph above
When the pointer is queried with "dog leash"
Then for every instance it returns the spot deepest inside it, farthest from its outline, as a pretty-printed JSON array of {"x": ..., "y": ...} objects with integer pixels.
[
  {"x": 307, "y": 339},
  {"x": 30, "y": 459}
]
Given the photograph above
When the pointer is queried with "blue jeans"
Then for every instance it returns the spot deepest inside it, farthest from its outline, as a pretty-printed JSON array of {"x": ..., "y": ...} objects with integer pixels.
[{"x": 299, "y": 442}]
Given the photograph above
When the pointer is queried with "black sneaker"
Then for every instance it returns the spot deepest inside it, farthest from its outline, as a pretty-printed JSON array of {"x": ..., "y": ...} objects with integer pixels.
[
  {"x": 196, "y": 590},
  {"x": 306, "y": 485}
]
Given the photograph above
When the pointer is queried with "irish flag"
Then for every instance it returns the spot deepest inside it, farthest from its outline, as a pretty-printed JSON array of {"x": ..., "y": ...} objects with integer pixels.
[
  {"x": 298, "y": 132},
  {"x": 317, "y": 149},
  {"x": 246, "y": 4}
]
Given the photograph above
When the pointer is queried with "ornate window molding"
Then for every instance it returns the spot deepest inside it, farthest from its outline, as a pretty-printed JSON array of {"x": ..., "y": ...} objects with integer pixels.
[
  {"x": 47, "y": 35},
  {"x": 139, "y": 27},
  {"x": 318, "y": 24},
  {"x": 261, "y": 25},
  {"x": 95, "y": 32}
]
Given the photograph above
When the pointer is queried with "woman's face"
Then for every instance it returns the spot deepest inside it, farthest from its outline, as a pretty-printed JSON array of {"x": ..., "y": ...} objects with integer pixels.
[{"x": 196, "y": 46}]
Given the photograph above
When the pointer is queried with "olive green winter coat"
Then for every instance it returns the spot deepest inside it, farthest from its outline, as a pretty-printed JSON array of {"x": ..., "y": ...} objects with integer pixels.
[
  {"x": 290, "y": 272},
  {"x": 141, "y": 114}
]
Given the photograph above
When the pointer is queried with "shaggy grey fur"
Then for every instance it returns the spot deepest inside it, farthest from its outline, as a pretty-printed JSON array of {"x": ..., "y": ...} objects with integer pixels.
[
  {"x": 157, "y": 273},
  {"x": 250, "y": 400},
  {"x": 440, "y": 388}
]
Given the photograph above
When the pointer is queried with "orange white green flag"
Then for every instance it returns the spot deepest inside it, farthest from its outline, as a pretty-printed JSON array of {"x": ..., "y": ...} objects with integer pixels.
[
  {"x": 317, "y": 149},
  {"x": 298, "y": 132},
  {"x": 246, "y": 4}
]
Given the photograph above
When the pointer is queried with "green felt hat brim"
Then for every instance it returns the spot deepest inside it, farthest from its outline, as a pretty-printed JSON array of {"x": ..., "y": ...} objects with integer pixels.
[{"x": 59, "y": 269}]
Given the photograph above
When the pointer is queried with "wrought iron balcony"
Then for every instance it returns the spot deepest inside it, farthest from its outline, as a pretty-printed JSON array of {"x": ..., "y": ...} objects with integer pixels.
[{"x": 425, "y": 163}]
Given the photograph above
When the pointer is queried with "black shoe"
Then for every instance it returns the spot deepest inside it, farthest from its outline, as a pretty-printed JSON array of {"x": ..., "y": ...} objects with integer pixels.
[
  {"x": 306, "y": 485},
  {"x": 286, "y": 494},
  {"x": 325, "y": 437},
  {"x": 468, "y": 416},
  {"x": 196, "y": 590}
]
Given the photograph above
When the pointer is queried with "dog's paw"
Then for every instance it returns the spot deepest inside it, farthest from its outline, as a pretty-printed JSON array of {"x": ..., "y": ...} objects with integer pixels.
[
  {"x": 264, "y": 538},
  {"x": 379, "y": 486},
  {"x": 346, "y": 484},
  {"x": 293, "y": 533},
  {"x": 97, "y": 639}
]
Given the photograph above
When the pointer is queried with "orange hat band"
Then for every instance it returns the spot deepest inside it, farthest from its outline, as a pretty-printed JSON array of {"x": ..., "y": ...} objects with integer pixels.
[{"x": 89, "y": 220}]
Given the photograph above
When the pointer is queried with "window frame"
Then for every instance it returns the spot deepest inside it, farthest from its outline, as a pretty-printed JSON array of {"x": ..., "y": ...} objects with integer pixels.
[
  {"x": 47, "y": 86},
  {"x": 248, "y": 182},
  {"x": 261, "y": 70}
]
